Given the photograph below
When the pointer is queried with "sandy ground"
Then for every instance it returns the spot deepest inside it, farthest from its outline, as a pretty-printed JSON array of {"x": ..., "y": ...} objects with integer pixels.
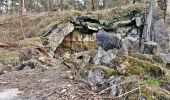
[{"x": 52, "y": 84}]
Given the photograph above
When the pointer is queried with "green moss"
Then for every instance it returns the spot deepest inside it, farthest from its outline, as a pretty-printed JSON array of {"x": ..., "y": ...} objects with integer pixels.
[
  {"x": 92, "y": 53},
  {"x": 150, "y": 58},
  {"x": 108, "y": 71},
  {"x": 136, "y": 70},
  {"x": 152, "y": 81},
  {"x": 140, "y": 67},
  {"x": 7, "y": 56},
  {"x": 146, "y": 93}
]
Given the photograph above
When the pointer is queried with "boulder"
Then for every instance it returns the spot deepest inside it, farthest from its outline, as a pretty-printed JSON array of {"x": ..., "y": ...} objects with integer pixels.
[
  {"x": 97, "y": 58},
  {"x": 166, "y": 59},
  {"x": 100, "y": 75},
  {"x": 106, "y": 57},
  {"x": 150, "y": 47},
  {"x": 57, "y": 34},
  {"x": 96, "y": 77},
  {"x": 161, "y": 35},
  {"x": 107, "y": 41},
  {"x": 114, "y": 85},
  {"x": 130, "y": 45}
]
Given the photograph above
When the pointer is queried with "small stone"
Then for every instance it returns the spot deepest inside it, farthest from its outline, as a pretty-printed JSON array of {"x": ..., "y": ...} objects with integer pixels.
[
  {"x": 73, "y": 97},
  {"x": 69, "y": 85},
  {"x": 42, "y": 59},
  {"x": 122, "y": 67},
  {"x": 63, "y": 90},
  {"x": 71, "y": 77}
]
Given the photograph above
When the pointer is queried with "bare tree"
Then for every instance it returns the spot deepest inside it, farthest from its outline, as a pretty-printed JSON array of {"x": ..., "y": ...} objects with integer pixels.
[
  {"x": 105, "y": 4},
  {"x": 21, "y": 8}
]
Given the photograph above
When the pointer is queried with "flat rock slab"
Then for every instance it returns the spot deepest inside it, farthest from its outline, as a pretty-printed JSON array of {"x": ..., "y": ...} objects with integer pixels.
[{"x": 10, "y": 94}]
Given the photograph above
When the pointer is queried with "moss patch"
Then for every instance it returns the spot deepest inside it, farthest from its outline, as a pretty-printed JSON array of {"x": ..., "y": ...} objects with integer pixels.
[
  {"x": 152, "y": 81},
  {"x": 35, "y": 41},
  {"x": 140, "y": 67},
  {"x": 9, "y": 57},
  {"x": 108, "y": 71}
]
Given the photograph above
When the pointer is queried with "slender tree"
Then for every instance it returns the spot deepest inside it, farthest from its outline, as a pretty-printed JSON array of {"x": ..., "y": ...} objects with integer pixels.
[
  {"x": 21, "y": 8},
  {"x": 105, "y": 4}
]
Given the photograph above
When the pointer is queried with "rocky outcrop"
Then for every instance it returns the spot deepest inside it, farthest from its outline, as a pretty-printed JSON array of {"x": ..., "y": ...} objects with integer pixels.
[
  {"x": 161, "y": 35},
  {"x": 57, "y": 34}
]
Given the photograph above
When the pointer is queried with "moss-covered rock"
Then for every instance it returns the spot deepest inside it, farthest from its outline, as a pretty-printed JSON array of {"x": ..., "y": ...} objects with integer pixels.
[
  {"x": 150, "y": 58},
  {"x": 140, "y": 67}
]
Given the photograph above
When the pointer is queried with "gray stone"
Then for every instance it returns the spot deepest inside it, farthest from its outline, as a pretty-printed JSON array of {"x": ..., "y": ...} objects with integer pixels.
[
  {"x": 139, "y": 21},
  {"x": 161, "y": 35},
  {"x": 107, "y": 41},
  {"x": 10, "y": 94},
  {"x": 130, "y": 46},
  {"x": 93, "y": 26},
  {"x": 106, "y": 57},
  {"x": 166, "y": 59},
  {"x": 167, "y": 85},
  {"x": 97, "y": 58},
  {"x": 114, "y": 84},
  {"x": 58, "y": 33},
  {"x": 109, "y": 56},
  {"x": 96, "y": 76},
  {"x": 150, "y": 47}
]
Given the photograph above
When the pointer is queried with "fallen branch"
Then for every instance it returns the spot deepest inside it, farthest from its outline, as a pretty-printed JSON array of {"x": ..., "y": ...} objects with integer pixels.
[{"x": 112, "y": 97}]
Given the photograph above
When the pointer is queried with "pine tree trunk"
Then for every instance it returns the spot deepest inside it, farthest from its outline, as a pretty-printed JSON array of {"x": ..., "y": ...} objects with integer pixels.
[
  {"x": 105, "y": 4},
  {"x": 21, "y": 8}
]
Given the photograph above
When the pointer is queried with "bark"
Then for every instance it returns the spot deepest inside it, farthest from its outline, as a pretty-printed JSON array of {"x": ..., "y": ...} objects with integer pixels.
[
  {"x": 61, "y": 5},
  {"x": 21, "y": 8},
  {"x": 105, "y": 4},
  {"x": 94, "y": 5}
]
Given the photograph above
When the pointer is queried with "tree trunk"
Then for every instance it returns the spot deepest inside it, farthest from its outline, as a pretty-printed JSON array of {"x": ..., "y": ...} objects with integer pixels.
[
  {"x": 94, "y": 5},
  {"x": 50, "y": 5},
  {"x": 61, "y": 5},
  {"x": 105, "y": 4},
  {"x": 21, "y": 8}
]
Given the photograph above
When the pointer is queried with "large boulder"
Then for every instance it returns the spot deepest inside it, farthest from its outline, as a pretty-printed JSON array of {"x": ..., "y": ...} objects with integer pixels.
[
  {"x": 57, "y": 34},
  {"x": 161, "y": 35},
  {"x": 106, "y": 57},
  {"x": 107, "y": 41}
]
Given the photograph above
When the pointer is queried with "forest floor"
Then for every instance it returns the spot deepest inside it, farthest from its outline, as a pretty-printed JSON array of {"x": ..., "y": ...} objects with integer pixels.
[{"x": 35, "y": 84}]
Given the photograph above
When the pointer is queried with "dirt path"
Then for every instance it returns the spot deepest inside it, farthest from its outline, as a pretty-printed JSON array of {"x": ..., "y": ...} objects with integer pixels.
[{"x": 52, "y": 84}]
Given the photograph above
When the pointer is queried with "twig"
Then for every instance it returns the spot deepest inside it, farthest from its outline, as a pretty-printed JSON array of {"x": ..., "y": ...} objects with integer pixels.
[
  {"x": 139, "y": 89},
  {"x": 112, "y": 97},
  {"x": 130, "y": 91},
  {"x": 165, "y": 91}
]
